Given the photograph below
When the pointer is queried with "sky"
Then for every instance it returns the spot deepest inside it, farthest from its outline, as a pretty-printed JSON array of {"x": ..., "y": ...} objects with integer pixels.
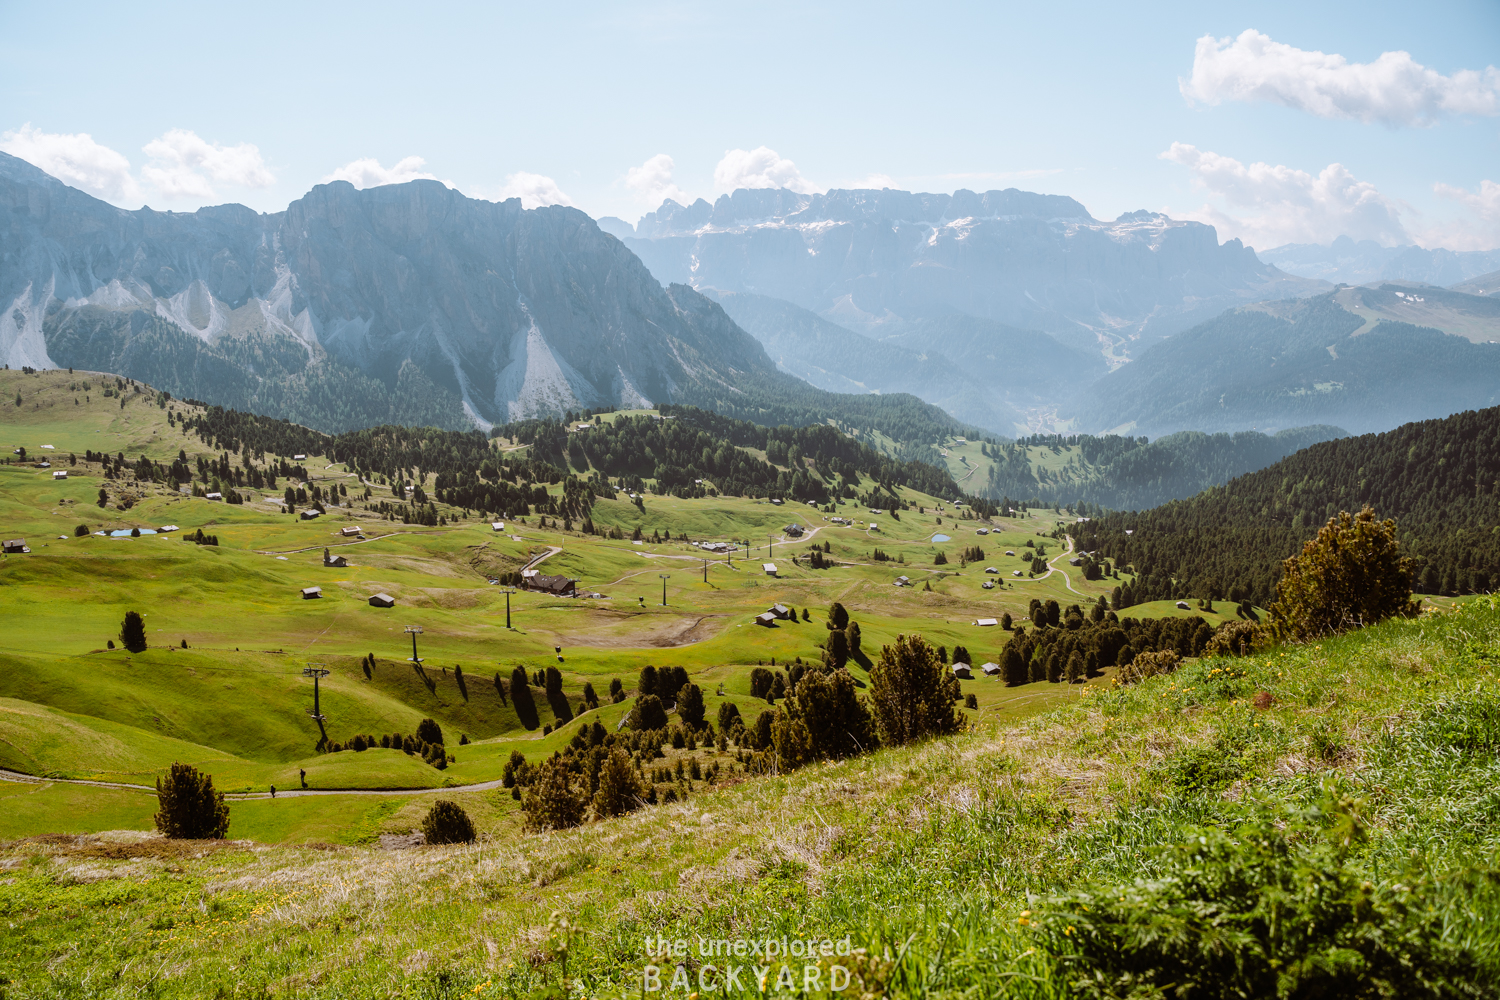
[{"x": 1275, "y": 122}]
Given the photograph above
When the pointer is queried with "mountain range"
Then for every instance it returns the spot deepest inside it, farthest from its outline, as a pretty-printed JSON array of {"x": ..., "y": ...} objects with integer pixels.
[
  {"x": 1346, "y": 261},
  {"x": 1365, "y": 359},
  {"x": 408, "y": 303},
  {"x": 886, "y": 262}
]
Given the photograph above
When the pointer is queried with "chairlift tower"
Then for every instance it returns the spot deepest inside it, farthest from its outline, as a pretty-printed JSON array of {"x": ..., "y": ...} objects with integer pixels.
[
  {"x": 508, "y": 591},
  {"x": 316, "y": 671},
  {"x": 414, "y": 631},
  {"x": 664, "y": 577}
]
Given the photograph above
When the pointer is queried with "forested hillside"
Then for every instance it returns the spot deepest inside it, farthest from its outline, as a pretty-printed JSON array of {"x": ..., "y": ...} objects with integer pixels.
[
  {"x": 1134, "y": 473},
  {"x": 1440, "y": 480},
  {"x": 685, "y": 451}
]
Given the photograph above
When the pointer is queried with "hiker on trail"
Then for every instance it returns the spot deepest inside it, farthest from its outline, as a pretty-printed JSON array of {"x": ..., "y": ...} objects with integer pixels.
[
  {"x": 304, "y": 776},
  {"x": 273, "y": 791}
]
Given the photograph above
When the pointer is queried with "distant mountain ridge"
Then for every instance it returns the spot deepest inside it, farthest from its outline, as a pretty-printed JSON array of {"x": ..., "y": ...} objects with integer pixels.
[
  {"x": 1364, "y": 262},
  {"x": 834, "y": 358},
  {"x": 408, "y": 303},
  {"x": 880, "y": 262},
  {"x": 1355, "y": 357}
]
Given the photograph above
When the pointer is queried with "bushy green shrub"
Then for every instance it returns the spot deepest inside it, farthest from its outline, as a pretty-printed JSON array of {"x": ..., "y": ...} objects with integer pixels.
[
  {"x": 447, "y": 823},
  {"x": 1276, "y": 907}
]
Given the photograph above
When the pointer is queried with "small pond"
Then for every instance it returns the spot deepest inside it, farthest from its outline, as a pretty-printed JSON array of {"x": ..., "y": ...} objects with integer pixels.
[
  {"x": 126, "y": 534},
  {"x": 935, "y": 538}
]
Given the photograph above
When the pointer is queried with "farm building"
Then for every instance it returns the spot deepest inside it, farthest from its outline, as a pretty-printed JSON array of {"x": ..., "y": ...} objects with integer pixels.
[
  {"x": 985, "y": 622},
  {"x": 962, "y": 672},
  {"x": 1184, "y": 606},
  {"x": 213, "y": 496},
  {"x": 60, "y": 474},
  {"x": 765, "y": 618},
  {"x": 557, "y": 584},
  {"x": 298, "y": 458},
  {"x": 306, "y": 515},
  {"x": 989, "y": 585},
  {"x": 349, "y": 532},
  {"x": 770, "y": 568},
  {"x": 782, "y": 611},
  {"x": 332, "y": 560},
  {"x": 14, "y": 545},
  {"x": 903, "y": 581},
  {"x": 308, "y": 593},
  {"x": 991, "y": 669},
  {"x": 793, "y": 530},
  {"x": 991, "y": 569},
  {"x": 382, "y": 601}
]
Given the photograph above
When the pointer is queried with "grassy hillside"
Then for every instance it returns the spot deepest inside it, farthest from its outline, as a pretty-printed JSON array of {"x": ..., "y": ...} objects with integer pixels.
[
  {"x": 1002, "y": 861},
  {"x": 235, "y": 693}
]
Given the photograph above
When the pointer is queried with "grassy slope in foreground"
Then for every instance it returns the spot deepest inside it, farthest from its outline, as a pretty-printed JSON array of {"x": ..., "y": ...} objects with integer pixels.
[{"x": 929, "y": 855}]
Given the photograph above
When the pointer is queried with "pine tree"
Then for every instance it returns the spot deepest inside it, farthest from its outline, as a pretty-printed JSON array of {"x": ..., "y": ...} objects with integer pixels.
[
  {"x": 553, "y": 802},
  {"x": 188, "y": 806},
  {"x": 912, "y": 693},
  {"x": 133, "y": 632}
]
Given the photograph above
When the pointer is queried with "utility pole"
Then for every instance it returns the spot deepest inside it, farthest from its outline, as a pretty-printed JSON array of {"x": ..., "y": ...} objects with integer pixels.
[
  {"x": 414, "y": 631},
  {"x": 705, "y": 571},
  {"x": 317, "y": 671},
  {"x": 508, "y": 592},
  {"x": 663, "y": 588}
]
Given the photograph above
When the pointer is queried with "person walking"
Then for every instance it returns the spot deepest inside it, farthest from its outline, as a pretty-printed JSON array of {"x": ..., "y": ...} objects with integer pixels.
[
  {"x": 273, "y": 791},
  {"x": 303, "y": 772}
]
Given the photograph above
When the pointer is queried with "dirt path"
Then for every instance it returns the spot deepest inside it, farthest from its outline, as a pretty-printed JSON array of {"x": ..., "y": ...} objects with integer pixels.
[
  {"x": 480, "y": 786},
  {"x": 1053, "y": 568}
]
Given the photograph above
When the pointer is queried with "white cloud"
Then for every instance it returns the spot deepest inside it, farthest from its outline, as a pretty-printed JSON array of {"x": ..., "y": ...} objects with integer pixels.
[
  {"x": 652, "y": 182},
  {"x": 1481, "y": 231},
  {"x": 1287, "y": 205},
  {"x": 183, "y": 165},
  {"x": 368, "y": 172},
  {"x": 1393, "y": 90},
  {"x": 759, "y": 168},
  {"x": 534, "y": 190},
  {"x": 75, "y": 159}
]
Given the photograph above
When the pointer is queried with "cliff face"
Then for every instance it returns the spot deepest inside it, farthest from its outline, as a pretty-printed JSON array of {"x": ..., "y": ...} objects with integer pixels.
[
  {"x": 879, "y": 261},
  {"x": 409, "y": 302}
]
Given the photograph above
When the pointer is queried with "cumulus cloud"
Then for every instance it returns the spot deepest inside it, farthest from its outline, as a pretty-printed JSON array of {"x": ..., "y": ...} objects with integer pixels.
[
  {"x": 183, "y": 165},
  {"x": 1480, "y": 231},
  {"x": 368, "y": 172},
  {"x": 1393, "y": 90},
  {"x": 75, "y": 159},
  {"x": 759, "y": 168},
  {"x": 652, "y": 181},
  {"x": 1283, "y": 205},
  {"x": 534, "y": 190}
]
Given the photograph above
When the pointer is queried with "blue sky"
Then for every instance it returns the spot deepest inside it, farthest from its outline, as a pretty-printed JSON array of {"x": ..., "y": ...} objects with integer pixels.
[{"x": 187, "y": 105}]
